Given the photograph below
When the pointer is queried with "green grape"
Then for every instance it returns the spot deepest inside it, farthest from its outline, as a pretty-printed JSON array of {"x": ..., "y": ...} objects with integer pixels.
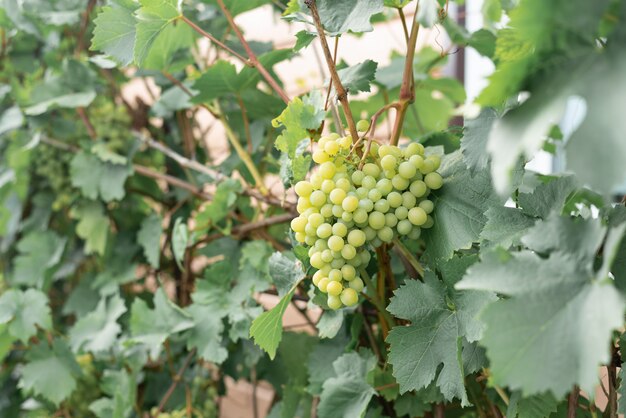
[
  {"x": 298, "y": 224},
  {"x": 356, "y": 284},
  {"x": 390, "y": 220},
  {"x": 303, "y": 188},
  {"x": 370, "y": 233},
  {"x": 348, "y": 272},
  {"x": 331, "y": 148},
  {"x": 401, "y": 213},
  {"x": 433, "y": 180},
  {"x": 316, "y": 261},
  {"x": 340, "y": 229},
  {"x": 374, "y": 195},
  {"x": 343, "y": 184},
  {"x": 334, "y": 302},
  {"x": 335, "y": 243},
  {"x": 417, "y": 216},
  {"x": 320, "y": 157},
  {"x": 327, "y": 256},
  {"x": 407, "y": 170},
  {"x": 356, "y": 238},
  {"x": 360, "y": 215},
  {"x": 385, "y": 234},
  {"x": 337, "y": 211},
  {"x": 327, "y": 170},
  {"x": 366, "y": 204},
  {"x": 349, "y": 297},
  {"x": 370, "y": 169},
  {"x": 376, "y": 220},
  {"x": 362, "y": 125},
  {"x": 348, "y": 252},
  {"x": 334, "y": 288},
  {"x": 350, "y": 203},
  {"x": 404, "y": 227},
  {"x": 318, "y": 198},
  {"x": 382, "y": 205},
  {"x": 327, "y": 210},
  {"x": 427, "y": 205},
  {"x": 357, "y": 177},
  {"x": 394, "y": 199},
  {"x": 418, "y": 188},
  {"x": 334, "y": 275},
  {"x": 327, "y": 186},
  {"x": 322, "y": 284},
  {"x": 337, "y": 196},
  {"x": 369, "y": 182},
  {"x": 346, "y": 217},
  {"x": 388, "y": 162},
  {"x": 408, "y": 200},
  {"x": 399, "y": 182}
]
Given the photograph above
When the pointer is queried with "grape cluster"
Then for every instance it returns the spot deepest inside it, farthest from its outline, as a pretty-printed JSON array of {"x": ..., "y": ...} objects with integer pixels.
[{"x": 344, "y": 208}]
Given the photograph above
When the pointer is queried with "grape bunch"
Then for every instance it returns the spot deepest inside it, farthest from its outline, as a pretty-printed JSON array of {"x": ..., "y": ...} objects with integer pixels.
[{"x": 353, "y": 203}]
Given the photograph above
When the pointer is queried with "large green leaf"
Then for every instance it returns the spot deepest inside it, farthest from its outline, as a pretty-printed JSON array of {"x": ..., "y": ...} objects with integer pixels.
[
  {"x": 24, "y": 311},
  {"x": 149, "y": 237},
  {"x": 93, "y": 226},
  {"x": 114, "y": 31},
  {"x": 98, "y": 330},
  {"x": 97, "y": 178},
  {"x": 39, "y": 253},
  {"x": 206, "y": 334},
  {"x": 153, "y": 18},
  {"x": 357, "y": 78}
]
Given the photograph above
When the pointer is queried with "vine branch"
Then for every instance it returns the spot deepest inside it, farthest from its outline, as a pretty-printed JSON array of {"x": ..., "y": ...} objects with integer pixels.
[{"x": 175, "y": 382}]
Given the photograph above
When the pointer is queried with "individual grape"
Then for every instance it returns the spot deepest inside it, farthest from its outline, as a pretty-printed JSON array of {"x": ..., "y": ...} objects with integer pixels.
[
  {"x": 327, "y": 170},
  {"x": 427, "y": 205},
  {"x": 370, "y": 169},
  {"x": 318, "y": 198},
  {"x": 356, "y": 284},
  {"x": 320, "y": 157},
  {"x": 327, "y": 186},
  {"x": 413, "y": 148},
  {"x": 345, "y": 142},
  {"x": 390, "y": 220},
  {"x": 399, "y": 182},
  {"x": 348, "y": 272},
  {"x": 324, "y": 230},
  {"x": 327, "y": 210},
  {"x": 384, "y": 150},
  {"x": 385, "y": 186},
  {"x": 316, "y": 261},
  {"x": 369, "y": 182},
  {"x": 315, "y": 220},
  {"x": 310, "y": 230},
  {"x": 407, "y": 170},
  {"x": 435, "y": 159},
  {"x": 309, "y": 240},
  {"x": 427, "y": 167},
  {"x": 337, "y": 211},
  {"x": 343, "y": 184},
  {"x": 374, "y": 195},
  {"x": 433, "y": 180},
  {"x": 331, "y": 148},
  {"x": 357, "y": 177},
  {"x": 337, "y": 196},
  {"x": 349, "y": 297},
  {"x": 335, "y": 243},
  {"x": 401, "y": 213},
  {"x": 376, "y": 220},
  {"x": 388, "y": 162},
  {"x": 385, "y": 234},
  {"x": 370, "y": 233},
  {"x": 350, "y": 203},
  {"x": 303, "y": 188},
  {"x": 337, "y": 263},
  {"x": 334, "y": 288},
  {"x": 366, "y": 204},
  {"x": 418, "y": 188},
  {"x": 298, "y": 224},
  {"x": 415, "y": 233},
  {"x": 360, "y": 215},
  {"x": 429, "y": 222},
  {"x": 417, "y": 216},
  {"x": 404, "y": 227},
  {"x": 348, "y": 252},
  {"x": 340, "y": 229},
  {"x": 346, "y": 216},
  {"x": 356, "y": 238},
  {"x": 366, "y": 257},
  {"x": 300, "y": 237},
  {"x": 389, "y": 174},
  {"x": 408, "y": 200},
  {"x": 363, "y": 125},
  {"x": 361, "y": 192},
  {"x": 317, "y": 276},
  {"x": 382, "y": 205},
  {"x": 334, "y": 302},
  {"x": 394, "y": 199},
  {"x": 417, "y": 161},
  {"x": 321, "y": 285},
  {"x": 327, "y": 256}
]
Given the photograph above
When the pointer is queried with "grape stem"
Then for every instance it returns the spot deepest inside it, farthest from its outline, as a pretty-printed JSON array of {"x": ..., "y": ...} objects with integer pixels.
[
  {"x": 410, "y": 258},
  {"x": 175, "y": 381},
  {"x": 342, "y": 93},
  {"x": 387, "y": 320}
]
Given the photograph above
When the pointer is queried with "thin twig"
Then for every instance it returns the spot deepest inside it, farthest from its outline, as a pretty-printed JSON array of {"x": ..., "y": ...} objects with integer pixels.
[
  {"x": 80, "y": 46},
  {"x": 342, "y": 93},
  {"x": 246, "y": 123},
  {"x": 572, "y": 402},
  {"x": 215, "y": 40},
  {"x": 175, "y": 382},
  {"x": 330, "y": 84}
]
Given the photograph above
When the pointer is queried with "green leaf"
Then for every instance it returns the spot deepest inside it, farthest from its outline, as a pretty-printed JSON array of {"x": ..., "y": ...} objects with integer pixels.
[
  {"x": 218, "y": 80},
  {"x": 11, "y": 119},
  {"x": 459, "y": 208},
  {"x": 149, "y": 237},
  {"x": 303, "y": 39},
  {"x": 348, "y": 393},
  {"x": 123, "y": 388},
  {"x": 50, "y": 372},
  {"x": 153, "y": 18},
  {"x": 206, "y": 334},
  {"x": 105, "y": 154},
  {"x": 114, "y": 31},
  {"x": 548, "y": 197},
  {"x": 180, "y": 239},
  {"x": 73, "y": 87},
  {"x": 505, "y": 227},
  {"x": 39, "y": 252},
  {"x": 93, "y": 226},
  {"x": 537, "y": 406},
  {"x": 285, "y": 272},
  {"x": 236, "y": 7},
  {"x": 348, "y": 15},
  {"x": 222, "y": 203},
  {"x": 330, "y": 323},
  {"x": 98, "y": 330},
  {"x": 96, "y": 178},
  {"x": 357, "y": 78},
  {"x": 23, "y": 311},
  {"x": 428, "y": 13},
  {"x": 474, "y": 142},
  {"x": 441, "y": 321},
  {"x": 554, "y": 329},
  {"x": 152, "y": 327}
]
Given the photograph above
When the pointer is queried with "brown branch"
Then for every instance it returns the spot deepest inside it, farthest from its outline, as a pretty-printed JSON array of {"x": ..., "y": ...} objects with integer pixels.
[
  {"x": 214, "y": 40},
  {"x": 174, "y": 181},
  {"x": 330, "y": 84},
  {"x": 254, "y": 61},
  {"x": 80, "y": 46},
  {"x": 246, "y": 123},
  {"x": 572, "y": 402},
  {"x": 342, "y": 93},
  {"x": 91, "y": 131},
  {"x": 612, "y": 376},
  {"x": 175, "y": 382}
]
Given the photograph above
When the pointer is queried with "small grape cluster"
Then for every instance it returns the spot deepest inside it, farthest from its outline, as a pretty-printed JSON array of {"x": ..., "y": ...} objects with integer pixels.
[{"x": 350, "y": 203}]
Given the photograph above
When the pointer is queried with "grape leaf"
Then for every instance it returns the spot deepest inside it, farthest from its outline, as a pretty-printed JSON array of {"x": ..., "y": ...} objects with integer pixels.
[
  {"x": 330, "y": 323},
  {"x": 459, "y": 208},
  {"x": 548, "y": 197},
  {"x": 474, "y": 142},
  {"x": 23, "y": 311},
  {"x": 348, "y": 15},
  {"x": 221, "y": 204},
  {"x": 267, "y": 328},
  {"x": 153, "y": 17},
  {"x": 152, "y": 327},
  {"x": 357, "y": 78},
  {"x": 93, "y": 226},
  {"x": 303, "y": 39},
  {"x": 206, "y": 334},
  {"x": 96, "y": 178},
  {"x": 98, "y": 330},
  {"x": 149, "y": 237},
  {"x": 180, "y": 240},
  {"x": 441, "y": 323},
  {"x": 427, "y": 13},
  {"x": 554, "y": 329},
  {"x": 123, "y": 388},
  {"x": 39, "y": 252},
  {"x": 347, "y": 393},
  {"x": 505, "y": 227},
  {"x": 218, "y": 80},
  {"x": 536, "y": 406},
  {"x": 114, "y": 31},
  {"x": 50, "y": 372},
  {"x": 11, "y": 119},
  {"x": 285, "y": 272},
  {"x": 236, "y": 7}
]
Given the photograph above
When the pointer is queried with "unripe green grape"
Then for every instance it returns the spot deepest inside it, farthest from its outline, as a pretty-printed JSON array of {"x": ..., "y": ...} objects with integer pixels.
[
  {"x": 384, "y": 150},
  {"x": 356, "y": 284},
  {"x": 349, "y": 297},
  {"x": 366, "y": 257},
  {"x": 327, "y": 170},
  {"x": 390, "y": 220},
  {"x": 323, "y": 283},
  {"x": 324, "y": 230},
  {"x": 310, "y": 230},
  {"x": 394, "y": 199},
  {"x": 337, "y": 196},
  {"x": 374, "y": 149},
  {"x": 312, "y": 251},
  {"x": 334, "y": 275},
  {"x": 417, "y": 216},
  {"x": 382, "y": 205},
  {"x": 413, "y": 148},
  {"x": 323, "y": 141},
  {"x": 300, "y": 237},
  {"x": 435, "y": 159},
  {"x": 407, "y": 170},
  {"x": 336, "y": 255},
  {"x": 376, "y": 242},
  {"x": 337, "y": 211},
  {"x": 318, "y": 198},
  {"x": 366, "y": 204},
  {"x": 385, "y": 234},
  {"x": 357, "y": 177},
  {"x": 401, "y": 213},
  {"x": 427, "y": 205},
  {"x": 303, "y": 188},
  {"x": 310, "y": 211},
  {"x": 374, "y": 195},
  {"x": 348, "y": 272},
  {"x": 408, "y": 200},
  {"x": 327, "y": 256},
  {"x": 360, "y": 215},
  {"x": 427, "y": 167},
  {"x": 376, "y": 220},
  {"x": 348, "y": 252},
  {"x": 320, "y": 157},
  {"x": 417, "y": 161},
  {"x": 298, "y": 224},
  {"x": 363, "y": 125},
  {"x": 327, "y": 186},
  {"x": 399, "y": 182},
  {"x": 371, "y": 169},
  {"x": 429, "y": 222},
  {"x": 345, "y": 142},
  {"x": 346, "y": 216},
  {"x": 340, "y": 165},
  {"x": 361, "y": 192},
  {"x": 385, "y": 186},
  {"x": 338, "y": 263},
  {"x": 331, "y": 148},
  {"x": 388, "y": 162},
  {"x": 404, "y": 227},
  {"x": 316, "y": 181},
  {"x": 335, "y": 243},
  {"x": 418, "y": 188},
  {"x": 302, "y": 205},
  {"x": 334, "y": 288},
  {"x": 315, "y": 220},
  {"x": 415, "y": 232},
  {"x": 343, "y": 184},
  {"x": 317, "y": 276},
  {"x": 339, "y": 175},
  {"x": 334, "y": 302},
  {"x": 369, "y": 182},
  {"x": 321, "y": 245},
  {"x": 309, "y": 240},
  {"x": 433, "y": 180},
  {"x": 316, "y": 261},
  {"x": 340, "y": 229},
  {"x": 389, "y": 174},
  {"x": 350, "y": 203},
  {"x": 327, "y": 210},
  {"x": 356, "y": 238}
]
